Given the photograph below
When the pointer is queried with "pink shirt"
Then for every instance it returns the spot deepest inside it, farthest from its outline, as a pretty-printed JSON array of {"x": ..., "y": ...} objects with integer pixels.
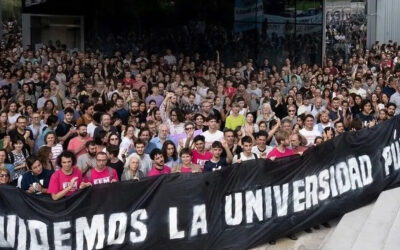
[
  {"x": 277, "y": 154},
  {"x": 59, "y": 181},
  {"x": 185, "y": 170},
  {"x": 200, "y": 159},
  {"x": 154, "y": 171},
  {"x": 76, "y": 143},
  {"x": 101, "y": 177}
]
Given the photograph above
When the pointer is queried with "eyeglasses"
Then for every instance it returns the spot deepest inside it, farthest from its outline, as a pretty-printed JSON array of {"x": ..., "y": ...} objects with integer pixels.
[
  {"x": 188, "y": 128},
  {"x": 114, "y": 139},
  {"x": 291, "y": 110},
  {"x": 4, "y": 175}
]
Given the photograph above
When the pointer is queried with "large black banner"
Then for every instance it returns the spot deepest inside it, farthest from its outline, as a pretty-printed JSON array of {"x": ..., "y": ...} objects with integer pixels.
[{"x": 236, "y": 208}]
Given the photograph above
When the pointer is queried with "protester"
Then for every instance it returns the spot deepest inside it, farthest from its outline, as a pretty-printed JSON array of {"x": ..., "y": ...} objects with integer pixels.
[
  {"x": 101, "y": 173},
  {"x": 216, "y": 162},
  {"x": 282, "y": 150},
  {"x": 131, "y": 169},
  {"x": 36, "y": 180},
  {"x": 44, "y": 156},
  {"x": 247, "y": 143},
  {"x": 139, "y": 101},
  {"x": 170, "y": 154},
  {"x": 87, "y": 160},
  {"x": 113, "y": 161},
  {"x": 68, "y": 179},
  {"x": 56, "y": 148},
  {"x": 187, "y": 165},
  {"x": 5, "y": 176},
  {"x": 77, "y": 144},
  {"x": 159, "y": 167}
]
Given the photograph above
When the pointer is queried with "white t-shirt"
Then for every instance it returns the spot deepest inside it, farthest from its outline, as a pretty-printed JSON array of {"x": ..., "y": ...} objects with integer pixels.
[
  {"x": 90, "y": 129},
  {"x": 310, "y": 135},
  {"x": 13, "y": 119},
  {"x": 210, "y": 138},
  {"x": 243, "y": 158},
  {"x": 257, "y": 151},
  {"x": 125, "y": 144}
]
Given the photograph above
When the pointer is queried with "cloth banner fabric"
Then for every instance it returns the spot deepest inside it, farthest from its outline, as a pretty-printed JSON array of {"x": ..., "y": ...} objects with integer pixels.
[{"x": 241, "y": 206}]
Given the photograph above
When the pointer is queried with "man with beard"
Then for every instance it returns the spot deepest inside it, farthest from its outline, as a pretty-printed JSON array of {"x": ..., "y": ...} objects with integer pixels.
[
  {"x": 87, "y": 160},
  {"x": 77, "y": 144},
  {"x": 134, "y": 112},
  {"x": 391, "y": 109},
  {"x": 105, "y": 125},
  {"x": 159, "y": 167}
]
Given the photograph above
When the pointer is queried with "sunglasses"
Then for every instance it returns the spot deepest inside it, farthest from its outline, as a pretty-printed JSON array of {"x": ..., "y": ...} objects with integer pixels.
[{"x": 4, "y": 175}]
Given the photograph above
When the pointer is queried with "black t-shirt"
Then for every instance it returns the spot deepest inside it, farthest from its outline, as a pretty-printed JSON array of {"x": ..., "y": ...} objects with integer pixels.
[
  {"x": 118, "y": 166},
  {"x": 62, "y": 129},
  {"x": 14, "y": 135},
  {"x": 237, "y": 151}
]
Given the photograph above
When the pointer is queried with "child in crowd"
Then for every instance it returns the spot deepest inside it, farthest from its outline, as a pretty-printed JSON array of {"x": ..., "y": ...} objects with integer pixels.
[
  {"x": 247, "y": 145},
  {"x": 187, "y": 166},
  {"x": 216, "y": 162},
  {"x": 261, "y": 149}
]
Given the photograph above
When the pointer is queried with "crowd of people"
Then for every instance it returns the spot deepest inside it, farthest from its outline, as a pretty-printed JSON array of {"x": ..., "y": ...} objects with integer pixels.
[{"x": 70, "y": 120}]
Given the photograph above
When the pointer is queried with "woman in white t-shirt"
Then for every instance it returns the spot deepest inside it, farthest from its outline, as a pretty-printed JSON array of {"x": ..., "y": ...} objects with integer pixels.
[
  {"x": 12, "y": 113},
  {"x": 56, "y": 148},
  {"x": 127, "y": 140}
]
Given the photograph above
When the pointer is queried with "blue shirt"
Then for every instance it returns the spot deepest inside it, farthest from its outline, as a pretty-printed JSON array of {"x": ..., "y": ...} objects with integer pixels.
[
  {"x": 43, "y": 179},
  {"x": 158, "y": 142},
  {"x": 210, "y": 165},
  {"x": 123, "y": 114}
]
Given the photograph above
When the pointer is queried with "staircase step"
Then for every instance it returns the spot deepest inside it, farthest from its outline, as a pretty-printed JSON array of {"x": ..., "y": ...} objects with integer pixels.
[
  {"x": 393, "y": 239},
  {"x": 346, "y": 232},
  {"x": 380, "y": 221}
]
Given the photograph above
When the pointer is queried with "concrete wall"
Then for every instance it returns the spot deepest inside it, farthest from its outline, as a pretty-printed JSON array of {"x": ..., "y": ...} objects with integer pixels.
[
  {"x": 383, "y": 21},
  {"x": 388, "y": 20},
  {"x": 37, "y": 29}
]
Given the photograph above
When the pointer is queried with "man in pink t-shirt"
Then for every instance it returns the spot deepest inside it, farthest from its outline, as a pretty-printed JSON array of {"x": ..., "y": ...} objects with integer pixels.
[
  {"x": 68, "y": 179},
  {"x": 78, "y": 144},
  {"x": 101, "y": 173},
  {"x": 158, "y": 163},
  {"x": 200, "y": 155},
  {"x": 282, "y": 137}
]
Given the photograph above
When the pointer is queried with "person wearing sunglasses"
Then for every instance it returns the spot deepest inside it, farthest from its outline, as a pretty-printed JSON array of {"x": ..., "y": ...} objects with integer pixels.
[{"x": 4, "y": 176}]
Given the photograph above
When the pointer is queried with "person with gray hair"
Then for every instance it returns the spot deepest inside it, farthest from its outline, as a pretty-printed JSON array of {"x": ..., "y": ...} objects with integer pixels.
[
  {"x": 131, "y": 169},
  {"x": 163, "y": 135},
  {"x": 266, "y": 114}
]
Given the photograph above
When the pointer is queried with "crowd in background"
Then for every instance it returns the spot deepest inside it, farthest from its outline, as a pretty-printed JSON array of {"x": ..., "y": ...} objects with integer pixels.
[{"x": 69, "y": 120}]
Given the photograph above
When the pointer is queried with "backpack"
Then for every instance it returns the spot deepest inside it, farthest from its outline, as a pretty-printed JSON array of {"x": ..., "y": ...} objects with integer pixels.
[{"x": 89, "y": 173}]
